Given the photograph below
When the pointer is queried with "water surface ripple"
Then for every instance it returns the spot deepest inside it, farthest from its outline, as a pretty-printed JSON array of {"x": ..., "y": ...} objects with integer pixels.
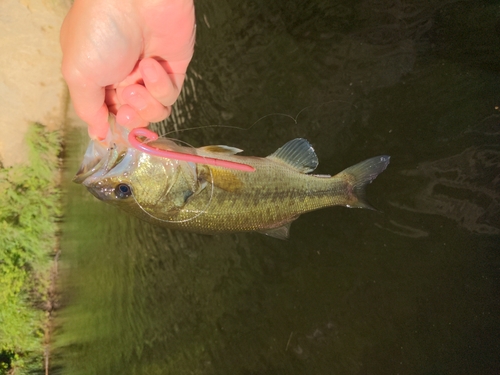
[{"x": 412, "y": 289}]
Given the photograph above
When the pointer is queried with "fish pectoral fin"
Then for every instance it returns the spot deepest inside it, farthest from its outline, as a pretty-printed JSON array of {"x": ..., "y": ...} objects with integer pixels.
[
  {"x": 179, "y": 200},
  {"x": 222, "y": 178},
  {"x": 221, "y": 149},
  {"x": 298, "y": 154},
  {"x": 282, "y": 232}
]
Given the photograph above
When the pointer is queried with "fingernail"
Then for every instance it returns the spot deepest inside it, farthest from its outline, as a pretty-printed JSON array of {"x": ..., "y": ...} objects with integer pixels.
[
  {"x": 150, "y": 73},
  {"x": 137, "y": 101}
]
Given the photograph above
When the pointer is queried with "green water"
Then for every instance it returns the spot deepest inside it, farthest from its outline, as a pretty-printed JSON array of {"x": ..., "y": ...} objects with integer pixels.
[{"x": 411, "y": 289}]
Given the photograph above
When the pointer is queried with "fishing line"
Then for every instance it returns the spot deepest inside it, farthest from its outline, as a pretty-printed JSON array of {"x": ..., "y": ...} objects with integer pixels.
[
  {"x": 204, "y": 210},
  {"x": 293, "y": 118},
  {"x": 198, "y": 213}
]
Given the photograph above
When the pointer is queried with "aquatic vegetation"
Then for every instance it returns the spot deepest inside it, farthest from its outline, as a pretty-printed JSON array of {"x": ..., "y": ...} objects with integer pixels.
[{"x": 29, "y": 210}]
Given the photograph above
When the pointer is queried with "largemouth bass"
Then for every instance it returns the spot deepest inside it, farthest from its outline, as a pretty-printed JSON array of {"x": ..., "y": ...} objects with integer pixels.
[{"x": 210, "y": 199}]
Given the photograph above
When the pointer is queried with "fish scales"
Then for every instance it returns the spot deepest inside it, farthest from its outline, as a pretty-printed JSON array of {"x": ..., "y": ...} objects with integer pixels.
[
  {"x": 209, "y": 199},
  {"x": 270, "y": 197}
]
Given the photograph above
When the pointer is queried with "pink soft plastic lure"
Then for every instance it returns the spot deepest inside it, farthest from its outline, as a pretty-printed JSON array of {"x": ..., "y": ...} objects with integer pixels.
[{"x": 152, "y": 136}]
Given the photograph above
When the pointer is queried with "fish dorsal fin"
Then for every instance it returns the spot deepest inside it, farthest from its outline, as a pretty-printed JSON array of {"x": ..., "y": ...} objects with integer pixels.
[
  {"x": 221, "y": 149},
  {"x": 298, "y": 154},
  {"x": 280, "y": 232}
]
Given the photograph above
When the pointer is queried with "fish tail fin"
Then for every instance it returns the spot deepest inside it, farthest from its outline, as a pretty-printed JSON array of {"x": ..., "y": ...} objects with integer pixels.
[{"x": 360, "y": 175}]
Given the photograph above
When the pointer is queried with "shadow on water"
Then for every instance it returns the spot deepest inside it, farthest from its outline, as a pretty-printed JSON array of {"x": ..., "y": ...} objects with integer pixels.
[{"x": 412, "y": 289}]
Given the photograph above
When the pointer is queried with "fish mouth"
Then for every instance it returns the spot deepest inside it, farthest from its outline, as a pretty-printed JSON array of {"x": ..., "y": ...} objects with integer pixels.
[
  {"x": 102, "y": 193},
  {"x": 98, "y": 161},
  {"x": 101, "y": 156},
  {"x": 86, "y": 171},
  {"x": 96, "y": 193},
  {"x": 93, "y": 160}
]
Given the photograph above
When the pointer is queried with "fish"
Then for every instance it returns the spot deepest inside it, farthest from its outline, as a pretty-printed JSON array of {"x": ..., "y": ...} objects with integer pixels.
[{"x": 211, "y": 199}]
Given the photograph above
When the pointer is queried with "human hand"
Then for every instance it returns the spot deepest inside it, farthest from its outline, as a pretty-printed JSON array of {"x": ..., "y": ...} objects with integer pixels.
[{"x": 127, "y": 57}]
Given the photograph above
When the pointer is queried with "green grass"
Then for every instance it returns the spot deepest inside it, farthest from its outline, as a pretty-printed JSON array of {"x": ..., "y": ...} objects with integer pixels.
[{"x": 29, "y": 210}]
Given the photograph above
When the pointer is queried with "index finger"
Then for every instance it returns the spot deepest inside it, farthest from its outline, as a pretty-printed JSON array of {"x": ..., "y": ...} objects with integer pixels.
[{"x": 88, "y": 101}]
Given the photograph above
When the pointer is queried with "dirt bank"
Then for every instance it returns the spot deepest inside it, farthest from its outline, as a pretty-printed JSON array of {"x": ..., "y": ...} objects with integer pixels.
[{"x": 31, "y": 85}]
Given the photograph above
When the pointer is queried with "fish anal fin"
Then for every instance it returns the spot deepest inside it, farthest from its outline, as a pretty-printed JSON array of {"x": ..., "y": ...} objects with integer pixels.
[
  {"x": 298, "y": 154},
  {"x": 282, "y": 232},
  {"x": 221, "y": 149}
]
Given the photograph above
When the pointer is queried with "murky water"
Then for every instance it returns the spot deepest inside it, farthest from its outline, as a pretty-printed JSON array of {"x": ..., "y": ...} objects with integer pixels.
[{"x": 412, "y": 289}]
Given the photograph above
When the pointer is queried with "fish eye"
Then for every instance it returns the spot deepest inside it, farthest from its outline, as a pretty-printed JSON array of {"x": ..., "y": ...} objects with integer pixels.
[{"x": 123, "y": 191}]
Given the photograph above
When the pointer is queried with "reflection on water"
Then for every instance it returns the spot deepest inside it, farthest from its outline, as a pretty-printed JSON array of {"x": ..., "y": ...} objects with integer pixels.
[
  {"x": 463, "y": 187},
  {"x": 412, "y": 289}
]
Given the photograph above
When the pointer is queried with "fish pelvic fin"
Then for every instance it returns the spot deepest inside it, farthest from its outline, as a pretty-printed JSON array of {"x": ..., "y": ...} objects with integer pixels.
[
  {"x": 282, "y": 232},
  {"x": 362, "y": 174}
]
